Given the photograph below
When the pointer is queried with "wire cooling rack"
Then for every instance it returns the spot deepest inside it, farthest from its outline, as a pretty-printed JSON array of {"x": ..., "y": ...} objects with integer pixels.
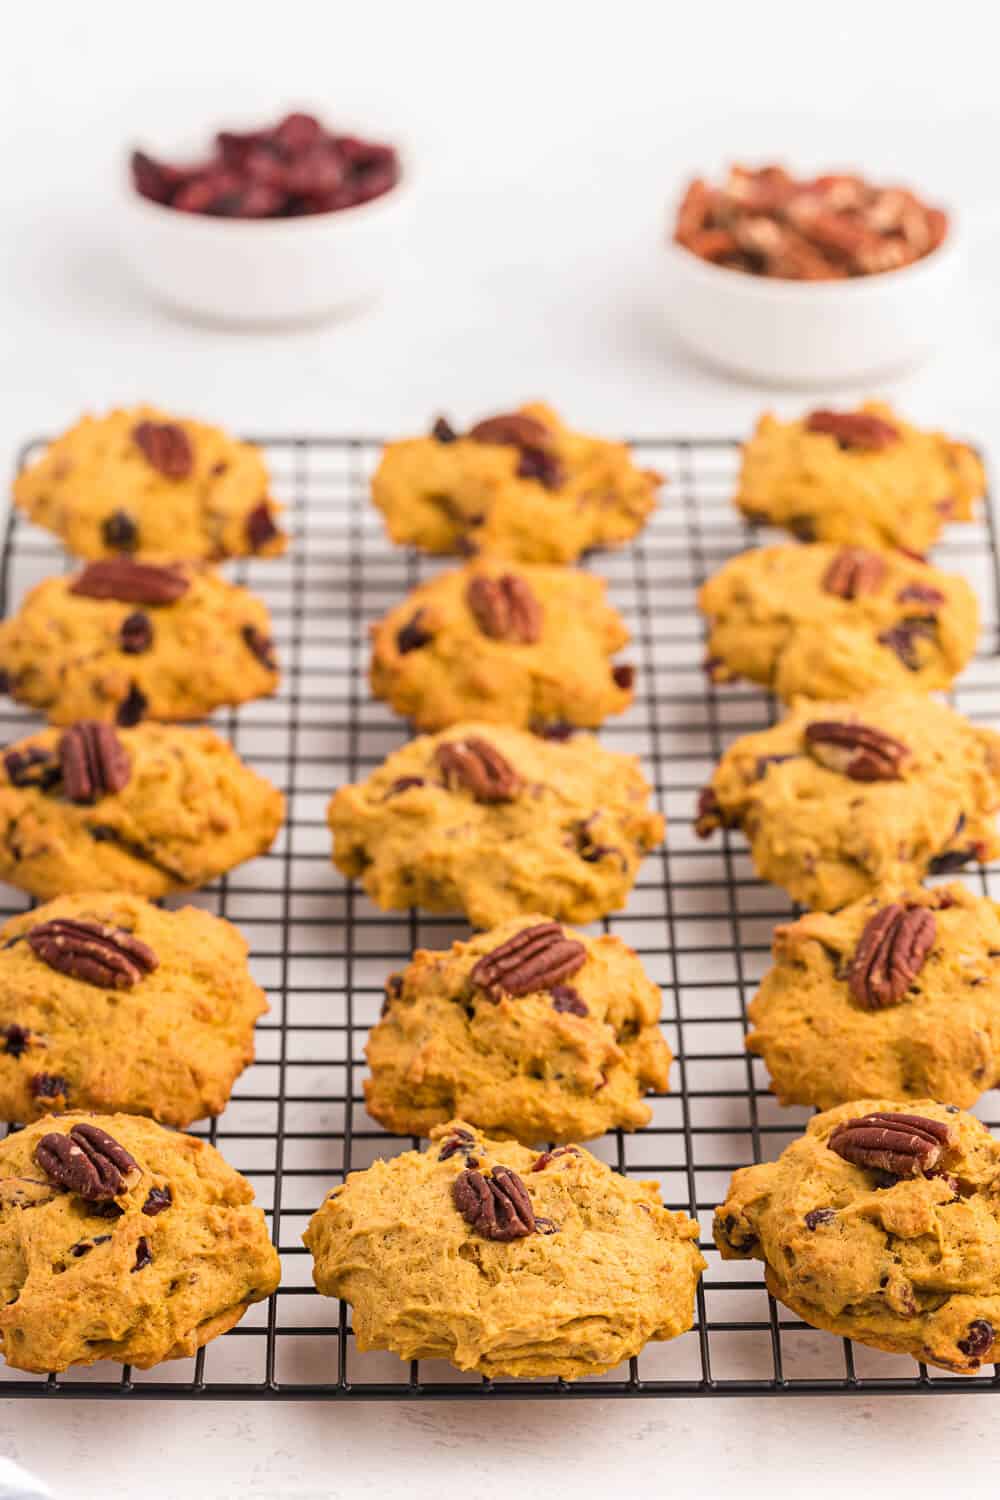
[{"x": 700, "y": 920}]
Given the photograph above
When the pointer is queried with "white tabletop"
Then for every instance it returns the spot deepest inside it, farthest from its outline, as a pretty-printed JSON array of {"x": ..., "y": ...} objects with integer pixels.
[{"x": 547, "y": 139}]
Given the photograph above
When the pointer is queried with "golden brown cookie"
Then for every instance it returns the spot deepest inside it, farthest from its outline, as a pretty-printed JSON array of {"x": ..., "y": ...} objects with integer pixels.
[
  {"x": 496, "y": 822},
  {"x": 109, "y": 1003},
  {"x": 122, "y": 1240},
  {"x": 881, "y": 1224},
  {"x": 505, "y": 1261},
  {"x": 531, "y": 1030},
  {"x": 842, "y": 798},
  {"x": 125, "y": 641},
  {"x": 896, "y": 996},
  {"x": 863, "y": 478},
  {"x": 835, "y": 622},
  {"x": 521, "y": 645},
  {"x": 142, "y": 482},
  {"x": 520, "y": 485},
  {"x": 149, "y": 810}
]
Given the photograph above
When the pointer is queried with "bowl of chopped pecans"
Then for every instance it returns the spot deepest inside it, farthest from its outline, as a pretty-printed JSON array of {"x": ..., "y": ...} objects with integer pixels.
[
  {"x": 275, "y": 224},
  {"x": 809, "y": 281}
]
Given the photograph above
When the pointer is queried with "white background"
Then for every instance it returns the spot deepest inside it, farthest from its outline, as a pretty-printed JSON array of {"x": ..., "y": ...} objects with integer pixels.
[{"x": 548, "y": 137}]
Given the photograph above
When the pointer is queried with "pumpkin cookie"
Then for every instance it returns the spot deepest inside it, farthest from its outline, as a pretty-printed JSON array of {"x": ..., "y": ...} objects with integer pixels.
[
  {"x": 530, "y": 1030},
  {"x": 841, "y": 798},
  {"x": 109, "y": 1003},
  {"x": 881, "y": 1224},
  {"x": 520, "y": 485},
  {"x": 124, "y": 641},
  {"x": 142, "y": 482},
  {"x": 528, "y": 646},
  {"x": 505, "y": 1261},
  {"x": 897, "y": 995},
  {"x": 148, "y": 810},
  {"x": 497, "y": 823},
  {"x": 864, "y": 478},
  {"x": 122, "y": 1240},
  {"x": 836, "y": 622}
]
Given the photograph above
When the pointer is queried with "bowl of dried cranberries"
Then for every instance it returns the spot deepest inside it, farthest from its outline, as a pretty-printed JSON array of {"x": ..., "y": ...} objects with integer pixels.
[
  {"x": 809, "y": 281},
  {"x": 275, "y": 224}
]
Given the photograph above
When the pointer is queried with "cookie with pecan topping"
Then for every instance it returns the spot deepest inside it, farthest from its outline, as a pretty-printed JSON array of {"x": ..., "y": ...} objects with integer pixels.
[
  {"x": 895, "y": 995},
  {"x": 181, "y": 809},
  {"x": 827, "y": 477},
  {"x": 530, "y": 1030},
  {"x": 882, "y": 1224},
  {"x": 839, "y": 799},
  {"x": 513, "y": 644},
  {"x": 133, "y": 1008},
  {"x": 497, "y": 822},
  {"x": 521, "y": 485},
  {"x": 121, "y": 640},
  {"x": 122, "y": 1240},
  {"x": 504, "y": 1260},
  {"x": 824, "y": 621},
  {"x": 142, "y": 483}
]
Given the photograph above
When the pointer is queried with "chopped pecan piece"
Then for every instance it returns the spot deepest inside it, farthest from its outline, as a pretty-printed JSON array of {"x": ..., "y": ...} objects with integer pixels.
[
  {"x": 534, "y": 440},
  {"x": 903, "y": 1145},
  {"x": 709, "y": 814},
  {"x": 505, "y": 608},
  {"x": 548, "y": 1157},
  {"x": 132, "y": 708},
  {"x": 32, "y": 767},
  {"x": 479, "y": 768},
  {"x": 88, "y": 1162},
  {"x": 536, "y": 958},
  {"x": 496, "y": 1206},
  {"x": 854, "y": 429},
  {"x": 443, "y": 432},
  {"x": 166, "y": 446},
  {"x": 569, "y": 1000},
  {"x": 854, "y": 572},
  {"x": 919, "y": 593},
  {"x": 261, "y": 646},
  {"x": 460, "y": 1141},
  {"x": 893, "y": 948},
  {"x": 855, "y": 750},
  {"x": 49, "y": 1086},
  {"x": 107, "y": 957},
  {"x": 130, "y": 582},
  {"x": 93, "y": 761}
]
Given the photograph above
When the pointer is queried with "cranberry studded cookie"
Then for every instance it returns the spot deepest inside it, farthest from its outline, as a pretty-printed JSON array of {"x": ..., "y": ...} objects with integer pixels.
[
  {"x": 897, "y": 995},
  {"x": 881, "y": 1224},
  {"x": 149, "y": 810},
  {"x": 503, "y": 1260},
  {"x": 520, "y": 485},
  {"x": 497, "y": 822},
  {"x": 863, "y": 478},
  {"x": 149, "y": 484},
  {"x": 842, "y": 798},
  {"x": 531, "y": 1030},
  {"x": 835, "y": 622},
  {"x": 526, "y": 645},
  {"x": 122, "y": 1240},
  {"x": 124, "y": 640},
  {"x": 109, "y": 1003}
]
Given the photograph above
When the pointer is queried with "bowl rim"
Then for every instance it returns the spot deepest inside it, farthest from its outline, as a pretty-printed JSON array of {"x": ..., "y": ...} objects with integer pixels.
[
  {"x": 298, "y": 224},
  {"x": 776, "y": 287}
]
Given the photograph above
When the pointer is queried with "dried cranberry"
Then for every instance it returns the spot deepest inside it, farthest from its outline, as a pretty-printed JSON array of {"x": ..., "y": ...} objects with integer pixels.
[
  {"x": 16, "y": 1039},
  {"x": 262, "y": 647},
  {"x": 157, "y": 1199},
  {"x": 120, "y": 531},
  {"x": 135, "y": 635},
  {"x": 443, "y": 432},
  {"x": 412, "y": 636},
  {"x": 624, "y": 677},
  {"x": 403, "y": 784},
  {"x": 143, "y": 1254},
  {"x": 817, "y": 1216},
  {"x": 49, "y": 1086},
  {"x": 978, "y": 1339},
  {"x": 132, "y": 708},
  {"x": 260, "y": 528},
  {"x": 567, "y": 999}
]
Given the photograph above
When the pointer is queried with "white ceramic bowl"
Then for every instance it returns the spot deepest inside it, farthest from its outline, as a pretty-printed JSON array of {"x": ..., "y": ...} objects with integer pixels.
[
  {"x": 817, "y": 333},
  {"x": 265, "y": 272}
]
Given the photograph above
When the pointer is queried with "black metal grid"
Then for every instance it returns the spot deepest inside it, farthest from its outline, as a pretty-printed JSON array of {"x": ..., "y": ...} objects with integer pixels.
[{"x": 698, "y": 917}]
